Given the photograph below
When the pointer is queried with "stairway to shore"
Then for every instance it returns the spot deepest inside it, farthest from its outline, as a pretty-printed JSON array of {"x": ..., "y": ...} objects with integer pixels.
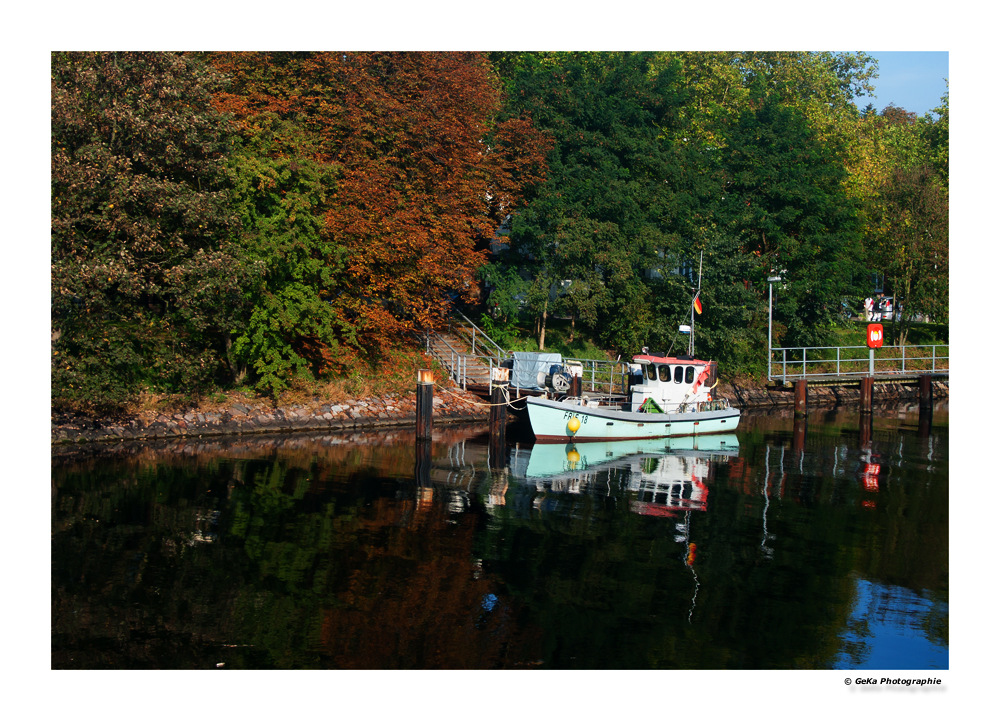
[{"x": 454, "y": 349}]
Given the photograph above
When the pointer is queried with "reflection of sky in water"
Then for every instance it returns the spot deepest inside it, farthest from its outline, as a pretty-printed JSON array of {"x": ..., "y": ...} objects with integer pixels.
[{"x": 888, "y": 629}]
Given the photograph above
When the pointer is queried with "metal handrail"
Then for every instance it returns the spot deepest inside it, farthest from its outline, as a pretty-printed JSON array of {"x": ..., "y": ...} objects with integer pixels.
[
  {"x": 457, "y": 361},
  {"x": 798, "y": 366},
  {"x": 500, "y": 352},
  {"x": 455, "y": 368}
]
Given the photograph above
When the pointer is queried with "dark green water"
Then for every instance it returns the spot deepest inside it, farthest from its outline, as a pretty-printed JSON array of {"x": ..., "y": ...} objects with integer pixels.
[{"x": 791, "y": 545}]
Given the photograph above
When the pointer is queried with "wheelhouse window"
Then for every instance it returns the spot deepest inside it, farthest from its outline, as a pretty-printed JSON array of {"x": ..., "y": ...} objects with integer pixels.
[
  {"x": 664, "y": 372},
  {"x": 678, "y": 374},
  {"x": 651, "y": 372},
  {"x": 689, "y": 374}
]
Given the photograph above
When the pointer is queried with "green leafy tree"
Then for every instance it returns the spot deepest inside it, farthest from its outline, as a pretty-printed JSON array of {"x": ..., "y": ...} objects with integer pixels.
[
  {"x": 788, "y": 206},
  {"x": 595, "y": 226},
  {"x": 899, "y": 173},
  {"x": 935, "y": 133},
  {"x": 912, "y": 242},
  {"x": 821, "y": 85},
  {"x": 147, "y": 285},
  {"x": 281, "y": 186}
]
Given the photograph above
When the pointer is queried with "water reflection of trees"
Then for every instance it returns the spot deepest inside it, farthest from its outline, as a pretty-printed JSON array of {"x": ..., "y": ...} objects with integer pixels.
[
  {"x": 284, "y": 558},
  {"x": 318, "y": 553}
]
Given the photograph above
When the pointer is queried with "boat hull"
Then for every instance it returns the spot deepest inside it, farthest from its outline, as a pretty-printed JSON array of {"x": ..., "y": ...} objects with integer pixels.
[{"x": 550, "y": 422}]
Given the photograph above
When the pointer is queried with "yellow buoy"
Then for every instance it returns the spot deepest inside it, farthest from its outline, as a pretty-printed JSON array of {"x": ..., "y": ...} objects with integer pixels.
[{"x": 573, "y": 425}]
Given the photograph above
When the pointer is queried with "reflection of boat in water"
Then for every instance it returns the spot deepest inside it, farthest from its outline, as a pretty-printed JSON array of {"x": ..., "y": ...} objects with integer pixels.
[{"x": 663, "y": 475}]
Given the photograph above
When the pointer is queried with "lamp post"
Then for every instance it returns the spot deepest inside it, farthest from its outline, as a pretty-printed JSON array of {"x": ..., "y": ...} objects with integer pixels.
[{"x": 771, "y": 280}]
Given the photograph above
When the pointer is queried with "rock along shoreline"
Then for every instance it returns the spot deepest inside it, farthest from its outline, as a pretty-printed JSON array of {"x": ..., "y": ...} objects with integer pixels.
[{"x": 451, "y": 405}]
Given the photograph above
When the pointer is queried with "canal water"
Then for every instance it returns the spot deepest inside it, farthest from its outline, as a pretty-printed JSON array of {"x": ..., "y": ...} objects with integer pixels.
[{"x": 792, "y": 544}]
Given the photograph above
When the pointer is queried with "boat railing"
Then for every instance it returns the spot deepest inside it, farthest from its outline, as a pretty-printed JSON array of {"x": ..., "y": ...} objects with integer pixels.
[
  {"x": 603, "y": 376},
  {"x": 602, "y": 400},
  {"x": 796, "y": 363},
  {"x": 719, "y": 404}
]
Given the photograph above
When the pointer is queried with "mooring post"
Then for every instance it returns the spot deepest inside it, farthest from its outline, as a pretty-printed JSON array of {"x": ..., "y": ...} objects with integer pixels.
[
  {"x": 867, "y": 388},
  {"x": 926, "y": 392},
  {"x": 800, "y": 397},
  {"x": 499, "y": 383},
  {"x": 499, "y": 397},
  {"x": 425, "y": 404}
]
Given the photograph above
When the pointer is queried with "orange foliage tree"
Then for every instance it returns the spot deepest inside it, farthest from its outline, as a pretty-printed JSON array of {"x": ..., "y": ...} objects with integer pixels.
[{"x": 424, "y": 172}]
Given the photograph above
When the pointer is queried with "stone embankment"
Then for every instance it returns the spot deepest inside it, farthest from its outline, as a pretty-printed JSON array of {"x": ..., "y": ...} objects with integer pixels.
[{"x": 450, "y": 406}]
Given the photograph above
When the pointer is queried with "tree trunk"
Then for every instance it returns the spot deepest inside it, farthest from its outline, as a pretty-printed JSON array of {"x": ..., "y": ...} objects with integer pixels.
[
  {"x": 541, "y": 329},
  {"x": 238, "y": 370}
]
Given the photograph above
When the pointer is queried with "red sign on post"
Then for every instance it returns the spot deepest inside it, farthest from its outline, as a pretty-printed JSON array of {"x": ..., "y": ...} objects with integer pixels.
[{"x": 875, "y": 335}]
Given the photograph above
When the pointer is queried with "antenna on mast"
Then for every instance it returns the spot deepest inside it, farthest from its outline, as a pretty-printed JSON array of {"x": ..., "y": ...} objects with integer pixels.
[{"x": 693, "y": 301}]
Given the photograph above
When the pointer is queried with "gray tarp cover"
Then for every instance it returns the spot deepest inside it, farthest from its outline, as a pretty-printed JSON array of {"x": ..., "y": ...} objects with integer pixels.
[{"x": 528, "y": 365}]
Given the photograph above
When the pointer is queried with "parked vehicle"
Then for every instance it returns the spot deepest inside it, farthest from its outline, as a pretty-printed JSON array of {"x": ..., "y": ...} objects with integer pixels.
[{"x": 885, "y": 308}]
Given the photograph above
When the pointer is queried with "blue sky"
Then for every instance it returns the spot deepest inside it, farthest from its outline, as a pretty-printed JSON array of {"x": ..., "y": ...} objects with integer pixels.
[{"x": 910, "y": 80}]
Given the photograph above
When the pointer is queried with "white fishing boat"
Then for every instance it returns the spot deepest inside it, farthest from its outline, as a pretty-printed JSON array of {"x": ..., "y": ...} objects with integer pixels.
[
  {"x": 672, "y": 397},
  {"x": 664, "y": 396}
]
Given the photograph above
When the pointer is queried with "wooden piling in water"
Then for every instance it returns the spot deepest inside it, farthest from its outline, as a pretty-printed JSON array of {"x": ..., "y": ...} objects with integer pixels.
[
  {"x": 425, "y": 404},
  {"x": 499, "y": 392},
  {"x": 867, "y": 387},
  {"x": 499, "y": 396},
  {"x": 800, "y": 397},
  {"x": 926, "y": 392}
]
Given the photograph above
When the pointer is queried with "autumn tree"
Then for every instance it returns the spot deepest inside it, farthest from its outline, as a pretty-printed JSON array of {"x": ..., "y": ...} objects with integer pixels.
[
  {"x": 147, "y": 286},
  {"x": 419, "y": 175}
]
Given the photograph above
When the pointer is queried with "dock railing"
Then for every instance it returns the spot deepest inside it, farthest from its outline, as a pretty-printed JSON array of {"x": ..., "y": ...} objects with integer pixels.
[
  {"x": 600, "y": 377},
  {"x": 856, "y": 362}
]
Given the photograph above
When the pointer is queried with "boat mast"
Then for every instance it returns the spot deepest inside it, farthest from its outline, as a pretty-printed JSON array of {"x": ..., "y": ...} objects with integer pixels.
[{"x": 697, "y": 293}]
